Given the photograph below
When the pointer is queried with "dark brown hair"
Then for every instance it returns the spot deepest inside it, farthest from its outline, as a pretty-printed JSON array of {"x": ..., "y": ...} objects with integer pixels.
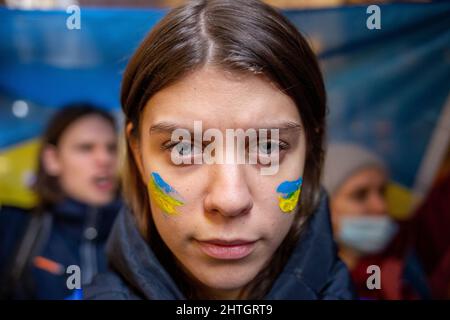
[
  {"x": 242, "y": 36},
  {"x": 46, "y": 186}
]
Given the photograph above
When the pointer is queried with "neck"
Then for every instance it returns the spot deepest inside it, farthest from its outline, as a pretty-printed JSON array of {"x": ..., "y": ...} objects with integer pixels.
[
  {"x": 218, "y": 294},
  {"x": 204, "y": 292}
]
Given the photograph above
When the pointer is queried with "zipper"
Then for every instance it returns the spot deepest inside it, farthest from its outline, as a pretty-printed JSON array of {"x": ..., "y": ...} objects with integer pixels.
[{"x": 88, "y": 252}]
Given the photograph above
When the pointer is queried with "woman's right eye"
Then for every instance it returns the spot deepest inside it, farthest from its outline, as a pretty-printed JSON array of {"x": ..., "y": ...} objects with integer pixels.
[
  {"x": 187, "y": 149},
  {"x": 183, "y": 148}
]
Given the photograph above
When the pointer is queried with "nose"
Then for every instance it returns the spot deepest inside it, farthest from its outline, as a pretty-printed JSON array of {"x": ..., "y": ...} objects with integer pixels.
[
  {"x": 377, "y": 204},
  {"x": 228, "y": 191},
  {"x": 104, "y": 156}
]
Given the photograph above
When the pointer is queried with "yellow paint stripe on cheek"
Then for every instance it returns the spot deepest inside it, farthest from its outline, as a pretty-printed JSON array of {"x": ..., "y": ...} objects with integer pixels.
[
  {"x": 165, "y": 202},
  {"x": 288, "y": 205}
]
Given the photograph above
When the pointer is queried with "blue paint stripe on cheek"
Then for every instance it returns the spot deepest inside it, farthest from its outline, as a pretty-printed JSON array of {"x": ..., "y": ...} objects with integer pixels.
[
  {"x": 161, "y": 183},
  {"x": 289, "y": 187}
]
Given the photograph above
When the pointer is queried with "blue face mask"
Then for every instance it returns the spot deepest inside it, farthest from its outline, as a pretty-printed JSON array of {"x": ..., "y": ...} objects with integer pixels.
[{"x": 367, "y": 234}]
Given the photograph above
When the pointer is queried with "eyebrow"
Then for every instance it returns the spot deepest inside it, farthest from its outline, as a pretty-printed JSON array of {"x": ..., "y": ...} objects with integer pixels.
[
  {"x": 285, "y": 126},
  {"x": 165, "y": 127},
  {"x": 169, "y": 127}
]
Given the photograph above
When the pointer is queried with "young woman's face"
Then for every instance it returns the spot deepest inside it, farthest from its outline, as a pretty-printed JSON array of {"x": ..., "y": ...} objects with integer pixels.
[
  {"x": 85, "y": 160},
  {"x": 228, "y": 222}
]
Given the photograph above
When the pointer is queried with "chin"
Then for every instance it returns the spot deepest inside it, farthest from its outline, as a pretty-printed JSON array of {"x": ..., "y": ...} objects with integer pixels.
[
  {"x": 101, "y": 200},
  {"x": 226, "y": 277}
]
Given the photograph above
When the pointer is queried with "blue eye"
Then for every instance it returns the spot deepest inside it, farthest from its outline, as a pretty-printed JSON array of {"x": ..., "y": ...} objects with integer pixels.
[
  {"x": 183, "y": 148},
  {"x": 187, "y": 149},
  {"x": 267, "y": 147}
]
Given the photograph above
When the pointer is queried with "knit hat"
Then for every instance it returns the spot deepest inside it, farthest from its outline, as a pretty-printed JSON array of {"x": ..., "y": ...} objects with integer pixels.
[{"x": 344, "y": 160}]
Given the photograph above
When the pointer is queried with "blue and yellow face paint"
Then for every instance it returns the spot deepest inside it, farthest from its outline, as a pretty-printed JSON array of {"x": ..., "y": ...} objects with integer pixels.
[
  {"x": 290, "y": 193},
  {"x": 165, "y": 197}
]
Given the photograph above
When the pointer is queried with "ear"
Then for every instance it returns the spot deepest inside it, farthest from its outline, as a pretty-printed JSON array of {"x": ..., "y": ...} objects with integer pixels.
[
  {"x": 133, "y": 142},
  {"x": 51, "y": 161}
]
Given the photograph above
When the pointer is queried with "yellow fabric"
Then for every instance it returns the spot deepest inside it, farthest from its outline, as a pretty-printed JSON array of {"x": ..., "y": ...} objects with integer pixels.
[
  {"x": 17, "y": 168},
  {"x": 400, "y": 201}
]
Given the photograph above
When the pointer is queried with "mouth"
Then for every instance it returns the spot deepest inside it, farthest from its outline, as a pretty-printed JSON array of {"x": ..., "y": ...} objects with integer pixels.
[
  {"x": 227, "y": 249},
  {"x": 104, "y": 183}
]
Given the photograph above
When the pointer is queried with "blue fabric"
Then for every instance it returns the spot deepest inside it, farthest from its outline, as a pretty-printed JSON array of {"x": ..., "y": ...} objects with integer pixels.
[{"x": 63, "y": 246}]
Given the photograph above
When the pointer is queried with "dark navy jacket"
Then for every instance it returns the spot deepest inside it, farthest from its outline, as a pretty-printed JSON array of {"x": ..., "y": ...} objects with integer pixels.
[
  {"x": 313, "y": 271},
  {"x": 75, "y": 234}
]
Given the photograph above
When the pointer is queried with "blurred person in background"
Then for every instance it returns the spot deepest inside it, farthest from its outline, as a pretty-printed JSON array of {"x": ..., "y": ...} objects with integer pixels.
[
  {"x": 428, "y": 233},
  {"x": 77, "y": 187},
  {"x": 356, "y": 181}
]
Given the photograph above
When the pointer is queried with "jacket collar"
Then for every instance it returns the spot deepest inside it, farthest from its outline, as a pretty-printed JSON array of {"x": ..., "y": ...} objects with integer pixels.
[
  {"x": 69, "y": 208},
  {"x": 307, "y": 270},
  {"x": 73, "y": 216},
  {"x": 133, "y": 258}
]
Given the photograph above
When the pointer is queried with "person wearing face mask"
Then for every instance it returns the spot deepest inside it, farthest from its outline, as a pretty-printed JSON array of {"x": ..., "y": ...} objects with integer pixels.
[
  {"x": 77, "y": 192},
  {"x": 356, "y": 181}
]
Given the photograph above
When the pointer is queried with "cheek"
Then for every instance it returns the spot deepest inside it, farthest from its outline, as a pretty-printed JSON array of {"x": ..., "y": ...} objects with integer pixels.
[
  {"x": 174, "y": 231},
  {"x": 290, "y": 181},
  {"x": 279, "y": 225},
  {"x": 275, "y": 227},
  {"x": 351, "y": 207},
  {"x": 289, "y": 195},
  {"x": 341, "y": 207},
  {"x": 164, "y": 197},
  {"x": 170, "y": 209},
  {"x": 74, "y": 170},
  {"x": 270, "y": 219}
]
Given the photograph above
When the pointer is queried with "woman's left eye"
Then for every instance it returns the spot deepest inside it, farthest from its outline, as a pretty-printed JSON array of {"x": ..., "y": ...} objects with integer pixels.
[{"x": 269, "y": 147}]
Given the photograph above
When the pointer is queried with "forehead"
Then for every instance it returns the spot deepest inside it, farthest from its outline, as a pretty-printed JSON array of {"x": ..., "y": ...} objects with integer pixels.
[
  {"x": 88, "y": 128},
  {"x": 366, "y": 178},
  {"x": 222, "y": 100}
]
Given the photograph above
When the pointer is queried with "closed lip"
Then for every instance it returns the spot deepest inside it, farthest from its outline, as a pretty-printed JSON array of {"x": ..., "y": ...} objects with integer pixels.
[{"x": 230, "y": 249}]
